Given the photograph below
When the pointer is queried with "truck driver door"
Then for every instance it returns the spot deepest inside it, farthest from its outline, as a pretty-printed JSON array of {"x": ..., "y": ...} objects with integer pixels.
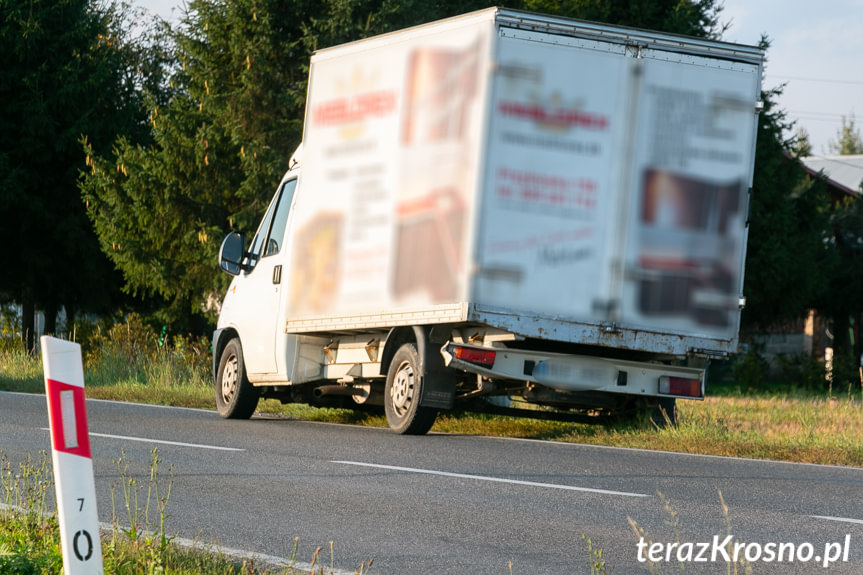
[{"x": 263, "y": 286}]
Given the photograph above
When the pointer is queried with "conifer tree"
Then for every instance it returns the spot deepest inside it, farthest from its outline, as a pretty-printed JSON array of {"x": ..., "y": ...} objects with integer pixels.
[
  {"x": 68, "y": 71},
  {"x": 848, "y": 140}
]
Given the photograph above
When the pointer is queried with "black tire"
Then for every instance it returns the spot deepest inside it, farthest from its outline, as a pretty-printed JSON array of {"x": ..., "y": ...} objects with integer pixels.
[
  {"x": 664, "y": 412},
  {"x": 402, "y": 394},
  {"x": 236, "y": 398}
]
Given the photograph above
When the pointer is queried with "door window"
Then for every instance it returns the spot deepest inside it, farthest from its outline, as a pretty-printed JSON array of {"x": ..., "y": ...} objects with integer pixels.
[
  {"x": 272, "y": 227},
  {"x": 280, "y": 220}
]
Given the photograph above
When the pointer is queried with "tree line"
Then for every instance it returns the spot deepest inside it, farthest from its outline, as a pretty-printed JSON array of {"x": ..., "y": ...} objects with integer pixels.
[{"x": 129, "y": 147}]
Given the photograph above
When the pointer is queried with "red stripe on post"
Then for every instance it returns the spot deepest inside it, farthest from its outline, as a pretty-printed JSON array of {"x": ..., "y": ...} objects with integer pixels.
[{"x": 81, "y": 447}]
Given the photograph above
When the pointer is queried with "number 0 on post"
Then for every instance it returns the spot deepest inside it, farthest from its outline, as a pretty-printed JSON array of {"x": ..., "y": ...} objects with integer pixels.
[{"x": 73, "y": 463}]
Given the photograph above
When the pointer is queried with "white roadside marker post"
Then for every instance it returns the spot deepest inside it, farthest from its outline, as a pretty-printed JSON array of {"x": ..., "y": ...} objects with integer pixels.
[{"x": 73, "y": 463}]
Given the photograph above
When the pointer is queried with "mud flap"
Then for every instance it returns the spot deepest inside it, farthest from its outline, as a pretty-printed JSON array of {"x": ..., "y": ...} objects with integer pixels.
[
  {"x": 438, "y": 388},
  {"x": 217, "y": 334}
]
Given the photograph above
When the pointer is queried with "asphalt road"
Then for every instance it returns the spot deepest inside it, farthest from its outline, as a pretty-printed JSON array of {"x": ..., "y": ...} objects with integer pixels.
[{"x": 457, "y": 504}]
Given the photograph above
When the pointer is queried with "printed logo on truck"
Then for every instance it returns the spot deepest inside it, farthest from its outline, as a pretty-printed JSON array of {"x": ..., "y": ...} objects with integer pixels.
[
  {"x": 356, "y": 106},
  {"x": 355, "y": 109},
  {"x": 552, "y": 115}
]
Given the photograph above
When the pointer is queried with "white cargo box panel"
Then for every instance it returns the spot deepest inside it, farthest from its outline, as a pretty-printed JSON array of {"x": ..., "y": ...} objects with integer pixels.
[
  {"x": 564, "y": 180},
  {"x": 392, "y": 150}
]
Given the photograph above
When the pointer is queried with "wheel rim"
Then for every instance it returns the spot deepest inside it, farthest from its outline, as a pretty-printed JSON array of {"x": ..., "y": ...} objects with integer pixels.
[
  {"x": 403, "y": 388},
  {"x": 230, "y": 379}
]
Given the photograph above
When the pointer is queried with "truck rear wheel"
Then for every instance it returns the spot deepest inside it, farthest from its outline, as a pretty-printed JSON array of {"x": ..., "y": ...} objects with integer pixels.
[
  {"x": 403, "y": 392},
  {"x": 236, "y": 397},
  {"x": 664, "y": 412}
]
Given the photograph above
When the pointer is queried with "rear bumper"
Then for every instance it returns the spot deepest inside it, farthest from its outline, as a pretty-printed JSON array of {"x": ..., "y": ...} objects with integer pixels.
[{"x": 581, "y": 373}]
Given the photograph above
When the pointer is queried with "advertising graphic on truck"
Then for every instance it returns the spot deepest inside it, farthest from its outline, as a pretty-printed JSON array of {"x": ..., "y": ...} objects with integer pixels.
[{"x": 500, "y": 211}]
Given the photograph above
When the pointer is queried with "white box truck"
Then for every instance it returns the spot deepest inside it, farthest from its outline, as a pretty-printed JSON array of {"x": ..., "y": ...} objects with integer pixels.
[{"x": 548, "y": 212}]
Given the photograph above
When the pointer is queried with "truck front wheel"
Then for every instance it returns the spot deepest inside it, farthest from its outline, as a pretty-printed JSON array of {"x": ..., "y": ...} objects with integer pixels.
[
  {"x": 236, "y": 397},
  {"x": 402, "y": 394}
]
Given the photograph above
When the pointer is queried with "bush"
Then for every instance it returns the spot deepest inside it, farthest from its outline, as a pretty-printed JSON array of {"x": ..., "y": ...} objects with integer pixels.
[
  {"x": 133, "y": 352},
  {"x": 750, "y": 369},
  {"x": 120, "y": 353},
  {"x": 10, "y": 329},
  {"x": 802, "y": 371},
  {"x": 846, "y": 372}
]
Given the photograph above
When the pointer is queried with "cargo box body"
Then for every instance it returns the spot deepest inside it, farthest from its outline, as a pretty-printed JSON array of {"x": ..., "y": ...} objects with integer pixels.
[{"x": 559, "y": 180}]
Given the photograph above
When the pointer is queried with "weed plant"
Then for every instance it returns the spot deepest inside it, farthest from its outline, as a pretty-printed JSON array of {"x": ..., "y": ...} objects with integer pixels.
[
  {"x": 595, "y": 562},
  {"x": 738, "y": 565},
  {"x": 130, "y": 353},
  {"x": 149, "y": 540},
  {"x": 19, "y": 370},
  {"x": 29, "y": 542}
]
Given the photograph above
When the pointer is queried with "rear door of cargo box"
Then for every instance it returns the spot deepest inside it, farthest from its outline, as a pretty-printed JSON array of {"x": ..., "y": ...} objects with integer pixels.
[
  {"x": 692, "y": 169},
  {"x": 615, "y": 187},
  {"x": 548, "y": 240}
]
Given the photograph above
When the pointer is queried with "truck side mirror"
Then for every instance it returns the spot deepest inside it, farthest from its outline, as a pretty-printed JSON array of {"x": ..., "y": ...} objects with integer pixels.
[{"x": 232, "y": 253}]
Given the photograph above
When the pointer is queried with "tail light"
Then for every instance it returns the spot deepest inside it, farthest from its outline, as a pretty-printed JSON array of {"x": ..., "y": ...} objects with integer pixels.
[
  {"x": 682, "y": 386},
  {"x": 474, "y": 355}
]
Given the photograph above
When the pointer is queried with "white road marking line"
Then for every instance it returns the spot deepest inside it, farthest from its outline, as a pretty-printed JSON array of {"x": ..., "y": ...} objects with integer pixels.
[
  {"x": 493, "y": 479},
  {"x": 548, "y": 443},
  {"x": 840, "y": 519},
  {"x": 160, "y": 441},
  {"x": 155, "y": 405},
  {"x": 118, "y": 402}
]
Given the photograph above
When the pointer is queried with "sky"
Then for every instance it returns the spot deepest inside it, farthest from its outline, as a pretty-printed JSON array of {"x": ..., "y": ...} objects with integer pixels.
[{"x": 816, "y": 52}]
